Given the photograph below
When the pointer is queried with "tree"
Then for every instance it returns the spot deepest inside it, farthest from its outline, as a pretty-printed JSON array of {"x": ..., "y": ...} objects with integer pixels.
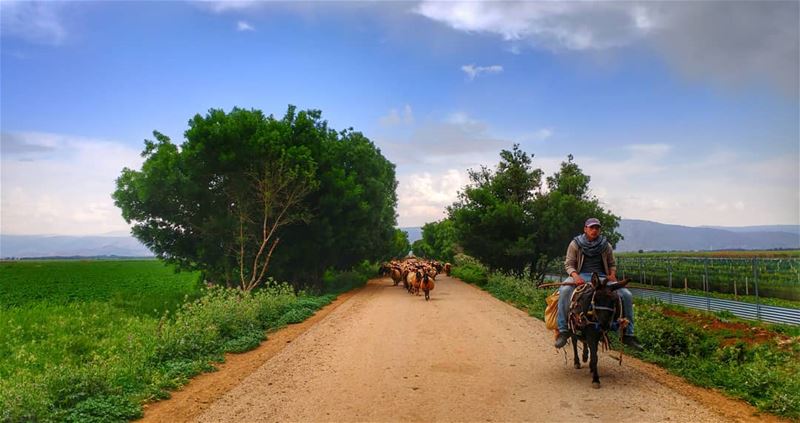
[
  {"x": 492, "y": 218},
  {"x": 246, "y": 196},
  {"x": 439, "y": 240},
  {"x": 400, "y": 246},
  {"x": 354, "y": 211},
  {"x": 215, "y": 204},
  {"x": 562, "y": 211},
  {"x": 505, "y": 220}
]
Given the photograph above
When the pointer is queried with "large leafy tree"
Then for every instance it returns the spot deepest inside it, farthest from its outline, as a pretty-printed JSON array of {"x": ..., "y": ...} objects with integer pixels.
[
  {"x": 244, "y": 186},
  {"x": 505, "y": 219},
  {"x": 216, "y": 203},
  {"x": 562, "y": 211},
  {"x": 354, "y": 211},
  {"x": 492, "y": 217}
]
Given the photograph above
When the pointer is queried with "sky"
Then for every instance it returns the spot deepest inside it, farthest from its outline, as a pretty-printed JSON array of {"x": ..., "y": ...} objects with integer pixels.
[{"x": 685, "y": 113}]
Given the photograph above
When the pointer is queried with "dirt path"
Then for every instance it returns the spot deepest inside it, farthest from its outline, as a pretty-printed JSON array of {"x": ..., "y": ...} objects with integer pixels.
[{"x": 382, "y": 355}]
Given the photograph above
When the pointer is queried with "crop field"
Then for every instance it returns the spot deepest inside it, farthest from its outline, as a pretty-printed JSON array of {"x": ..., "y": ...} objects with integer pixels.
[
  {"x": 93, "y": 340},
  {"x": 140, "y": 287},
  {"x": 736, "y": 273}
]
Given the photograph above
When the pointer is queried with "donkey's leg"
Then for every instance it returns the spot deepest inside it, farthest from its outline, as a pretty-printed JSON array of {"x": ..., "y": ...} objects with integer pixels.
[
  {"x": 575, "y": 350},
  {"x": 585, "y": 352},
  {"x": 594, "y": 339}
]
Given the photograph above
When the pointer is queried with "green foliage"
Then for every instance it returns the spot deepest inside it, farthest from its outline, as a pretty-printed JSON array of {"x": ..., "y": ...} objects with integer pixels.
[
  {"x": 469, "y": 270},
  {"x": 401, "y": 246},
  {"x": 492, "y": 217},
  {"x": 82, "y": 356},
  {"x": 438, "y": 241},
  {"x": 505, "y": 220},
  {"x": 354, "y": 212}
]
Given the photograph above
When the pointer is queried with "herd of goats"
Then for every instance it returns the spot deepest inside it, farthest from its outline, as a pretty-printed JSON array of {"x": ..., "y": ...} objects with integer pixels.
[{"x": 416, "y": 274}]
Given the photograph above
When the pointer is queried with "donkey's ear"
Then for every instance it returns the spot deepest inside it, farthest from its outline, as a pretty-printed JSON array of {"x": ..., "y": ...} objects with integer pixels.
[
  {"x": 620, "y": 284},
  {"x": 595, "y": 280}
]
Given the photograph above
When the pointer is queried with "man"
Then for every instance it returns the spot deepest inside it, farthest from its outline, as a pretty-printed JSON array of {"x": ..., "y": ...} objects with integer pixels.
[{"x": 587, "y": 253}]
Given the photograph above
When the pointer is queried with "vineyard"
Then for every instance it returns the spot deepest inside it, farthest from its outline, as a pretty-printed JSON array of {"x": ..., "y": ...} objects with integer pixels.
[{"x": 735, "y": 273}]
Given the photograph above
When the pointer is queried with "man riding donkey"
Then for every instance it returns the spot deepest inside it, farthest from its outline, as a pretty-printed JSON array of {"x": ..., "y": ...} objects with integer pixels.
[{"x": 590, "y": 253}]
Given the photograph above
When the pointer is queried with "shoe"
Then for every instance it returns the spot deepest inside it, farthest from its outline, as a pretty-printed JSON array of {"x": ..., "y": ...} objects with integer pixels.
[
  {"x": 562, "y": 339},
  {"x": 632, "y": 342}
]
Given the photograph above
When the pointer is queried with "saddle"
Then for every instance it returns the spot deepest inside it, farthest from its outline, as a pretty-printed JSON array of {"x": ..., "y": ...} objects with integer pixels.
[{"x": 577, "y": 319}]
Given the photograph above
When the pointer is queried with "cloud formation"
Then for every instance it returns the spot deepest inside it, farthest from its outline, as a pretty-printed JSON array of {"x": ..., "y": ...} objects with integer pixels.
[
  {"x": 729, "y": 43},
  {"x": 395, "y": 117},
  {"x": 473, "y": 71},
  {"x": 244, "y": 26},
  {"x": 424, "y": 196},
  {"x": 34, "y": 21},
  {"x": 55, "y": 184}
]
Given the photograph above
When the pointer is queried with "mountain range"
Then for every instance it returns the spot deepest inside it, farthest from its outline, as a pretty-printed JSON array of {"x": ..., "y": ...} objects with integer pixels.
[
  {"x": 639, "y": 235},
  {"x": 653, "y": 236}
]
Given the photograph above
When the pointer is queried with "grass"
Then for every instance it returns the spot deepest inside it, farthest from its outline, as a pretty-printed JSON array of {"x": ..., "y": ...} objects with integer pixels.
[
  {"x": 93, "y": 341},
  {"x": 755, "y": 362}
]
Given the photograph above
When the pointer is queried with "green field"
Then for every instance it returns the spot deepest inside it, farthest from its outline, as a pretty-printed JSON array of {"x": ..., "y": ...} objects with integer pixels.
[
  {"x": 140, "y": 287},
  {"x": 91, "y": 341},
  {"x": 777, "y": 273}
]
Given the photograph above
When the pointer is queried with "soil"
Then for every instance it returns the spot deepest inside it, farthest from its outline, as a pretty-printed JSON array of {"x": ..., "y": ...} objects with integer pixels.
[
  {"x": 732, "y": 332},
  {"x": 380, "y": 354}
]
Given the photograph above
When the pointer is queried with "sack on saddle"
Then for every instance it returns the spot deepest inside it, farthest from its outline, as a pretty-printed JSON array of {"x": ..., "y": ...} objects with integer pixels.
[{"x": 551, "y": 311}]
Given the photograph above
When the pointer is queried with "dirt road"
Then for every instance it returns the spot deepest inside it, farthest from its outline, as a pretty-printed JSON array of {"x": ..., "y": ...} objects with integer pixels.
[{"x": 383, "y": 355}]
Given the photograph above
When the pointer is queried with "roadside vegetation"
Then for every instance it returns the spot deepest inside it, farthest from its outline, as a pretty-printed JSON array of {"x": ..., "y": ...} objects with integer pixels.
[
  {"x": 758, "y": 363},
  {"x": 92, "y": 345}
]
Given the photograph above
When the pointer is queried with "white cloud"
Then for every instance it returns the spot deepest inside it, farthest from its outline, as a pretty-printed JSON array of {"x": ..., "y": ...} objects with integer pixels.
[
  {"x": 220, "y": 6},
  {"x": 720, "y": 188},
  {"x": 549, "y": 25},
  {"x": 37, "y": 22},
  {"x": 244, "y": 26},
  {"x": 727, "y": 43},
  {"x": 61, "y": 184},
  {"x": 542, "y": 134},
  {"x": 395, "y": 117},
  {"x": 423, "y": 197},
  {"x": 473, "y": 71}
]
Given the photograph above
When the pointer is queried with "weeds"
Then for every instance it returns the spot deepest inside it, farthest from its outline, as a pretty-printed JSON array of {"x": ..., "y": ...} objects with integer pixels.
[{"x": 95, "y": 358}]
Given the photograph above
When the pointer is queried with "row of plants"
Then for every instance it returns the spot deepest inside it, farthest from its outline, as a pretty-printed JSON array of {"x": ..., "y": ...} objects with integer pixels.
[
  {"x": 754, "y": 362},
  {"x": 778, "y": 278},
  {"x": 92, "y": 361}
]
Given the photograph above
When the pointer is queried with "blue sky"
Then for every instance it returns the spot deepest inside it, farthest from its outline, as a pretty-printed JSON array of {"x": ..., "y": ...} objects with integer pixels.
[{"x": 684, "y": 113}]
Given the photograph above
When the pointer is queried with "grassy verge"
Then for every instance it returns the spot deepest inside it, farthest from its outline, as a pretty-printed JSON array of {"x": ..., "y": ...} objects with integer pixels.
[
  {"x": 757, "y": 363},
  {"x": 94, "y": 359}
]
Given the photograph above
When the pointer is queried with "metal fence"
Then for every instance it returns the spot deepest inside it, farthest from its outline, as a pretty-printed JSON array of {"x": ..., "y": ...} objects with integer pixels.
[{"x": 744, "y": 310}]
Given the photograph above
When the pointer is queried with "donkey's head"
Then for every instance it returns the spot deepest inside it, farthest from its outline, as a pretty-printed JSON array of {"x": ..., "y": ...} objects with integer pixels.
[{"x": 606, "y": 306}]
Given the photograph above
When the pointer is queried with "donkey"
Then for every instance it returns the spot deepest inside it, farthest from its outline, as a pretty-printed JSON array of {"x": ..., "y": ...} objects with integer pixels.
[{"x": 594, "y": 310}]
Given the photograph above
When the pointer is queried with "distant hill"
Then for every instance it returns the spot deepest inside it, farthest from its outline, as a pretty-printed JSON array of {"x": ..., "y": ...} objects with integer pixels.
[
  {"x": 792, "y": 229},
  {"x": 71, "y": 246},
  {"x": 653, "y": 236},
  {"x": 639, "y": 235}
]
